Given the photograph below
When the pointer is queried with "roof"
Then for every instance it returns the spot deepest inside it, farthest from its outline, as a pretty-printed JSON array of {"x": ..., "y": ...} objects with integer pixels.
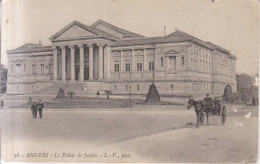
[
  {"x": 88, "y": 28},
  {"x": 30, "y": 47},
  {"x": 219, "y": 48},
  {"x": 176, "y": 36},
  {"x": 120, "y": 30},
  {"x": 131, "y": 38},
  {"x": 172, "y": 38}
]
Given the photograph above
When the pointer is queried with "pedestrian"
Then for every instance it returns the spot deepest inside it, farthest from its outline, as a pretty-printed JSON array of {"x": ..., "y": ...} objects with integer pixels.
[
  {"x": 34, "y": 110},
  {"x": 98, "y": 94},
  {"x": 40, "y": 108},
  {"x": 2, "y": 104}
]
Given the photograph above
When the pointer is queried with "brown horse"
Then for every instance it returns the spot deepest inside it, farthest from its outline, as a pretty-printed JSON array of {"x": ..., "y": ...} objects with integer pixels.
[{"x": 198, "y": 105}]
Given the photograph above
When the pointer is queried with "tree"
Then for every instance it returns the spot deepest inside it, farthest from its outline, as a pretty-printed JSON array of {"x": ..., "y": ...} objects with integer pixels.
[
  {"x": 244, "y": 81},
  {"x": 61, "y": 94},
  {"x": 245, "y": 86},
  {"x": 153, "y": 94},
  {"x": 3, "y": 79}
]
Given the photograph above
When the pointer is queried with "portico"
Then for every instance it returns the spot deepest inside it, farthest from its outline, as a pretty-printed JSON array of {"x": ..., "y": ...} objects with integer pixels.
[{"x": 79, "y": 62}]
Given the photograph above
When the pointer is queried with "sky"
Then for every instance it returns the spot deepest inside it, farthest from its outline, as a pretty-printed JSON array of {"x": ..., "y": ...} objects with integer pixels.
[{"x": 232, "y": 24}]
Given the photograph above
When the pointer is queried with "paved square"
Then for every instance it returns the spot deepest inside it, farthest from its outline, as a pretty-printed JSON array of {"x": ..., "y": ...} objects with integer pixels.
[{"x": 148, "y": 133}]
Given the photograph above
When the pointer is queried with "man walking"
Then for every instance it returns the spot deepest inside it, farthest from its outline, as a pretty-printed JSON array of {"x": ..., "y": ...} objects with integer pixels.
[
  {"x": 34, "y": 110},
  {"x": 40, "y": 108},
  {"x": 2, "y": 104}
]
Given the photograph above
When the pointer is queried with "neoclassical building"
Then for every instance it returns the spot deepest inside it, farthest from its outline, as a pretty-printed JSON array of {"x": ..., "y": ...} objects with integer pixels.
[{"x": 105, "y": 57}]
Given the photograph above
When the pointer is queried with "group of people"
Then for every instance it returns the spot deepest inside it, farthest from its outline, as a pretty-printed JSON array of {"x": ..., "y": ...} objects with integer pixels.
[{"x": 37, "y": 107}]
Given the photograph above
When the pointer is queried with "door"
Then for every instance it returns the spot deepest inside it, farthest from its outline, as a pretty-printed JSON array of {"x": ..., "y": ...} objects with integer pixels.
[
  {"x": 86, "y": 74},
  {"x": 172, "y": 62},
  {"x": 77, "y": 74}
]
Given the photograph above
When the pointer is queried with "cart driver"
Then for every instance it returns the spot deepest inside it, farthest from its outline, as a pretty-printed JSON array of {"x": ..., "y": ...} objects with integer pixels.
[{"x": 208, "y": 100}]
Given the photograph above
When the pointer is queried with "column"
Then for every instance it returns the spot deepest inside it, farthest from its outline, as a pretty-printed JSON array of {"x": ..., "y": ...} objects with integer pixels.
[
  {"x": 72, "y": 63},
  {"x": 54, "y": 64},
  {"x": 107, "y": 62},
  {"x": 133, "y": 61},
  {"x": 121, "y": 61},
  {"x": 100, "y": 64},
  {"x": 90, "y": 48},
  {"x": 81, "y": 62},
  {"x": 145, "y": 62},
  {"x": 188, "y": 63},
  {"x": 63, "y": 53}
]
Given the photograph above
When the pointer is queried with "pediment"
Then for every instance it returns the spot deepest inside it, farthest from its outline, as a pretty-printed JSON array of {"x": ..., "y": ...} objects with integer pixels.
[{"x": 75, "y": 32}]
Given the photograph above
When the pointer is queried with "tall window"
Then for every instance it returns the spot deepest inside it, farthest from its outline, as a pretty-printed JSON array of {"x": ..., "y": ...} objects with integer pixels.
[
  {"x": 162, "y": 62},
  {"x": 50, "y": 68},
  {"x": 127, "y": 65},
  {"x": 139, "y": 66},
  {"x": 42, "y": 69},
  {"x": 116, "y": 66},
  {"x": 151, "y": 66},
  {"x": 34, "y": 69},
  {"x": 138, "y": 87},
  {"x": 182, "y": 61},
  {"x": 171, "y": 87},
  {"x": 24, "y": 67}
]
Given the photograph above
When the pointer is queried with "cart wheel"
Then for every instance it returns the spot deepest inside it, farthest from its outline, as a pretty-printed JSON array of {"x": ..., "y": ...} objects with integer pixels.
[{"x": 223, "y": 115}]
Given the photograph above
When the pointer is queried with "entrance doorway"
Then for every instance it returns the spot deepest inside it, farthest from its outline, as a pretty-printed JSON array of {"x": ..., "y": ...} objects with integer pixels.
[
  {"x": 77, "y": 74},
  {"x": 172, "y": 62},
  {"x": 86, "y": 73}
]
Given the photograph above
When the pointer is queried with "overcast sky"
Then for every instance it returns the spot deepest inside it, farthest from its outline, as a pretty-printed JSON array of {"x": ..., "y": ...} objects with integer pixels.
[{"x": 232, "y": 24}]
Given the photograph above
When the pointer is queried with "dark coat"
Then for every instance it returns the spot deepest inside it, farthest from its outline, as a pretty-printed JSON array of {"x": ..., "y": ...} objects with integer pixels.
[{"x": 40, "y": 106}]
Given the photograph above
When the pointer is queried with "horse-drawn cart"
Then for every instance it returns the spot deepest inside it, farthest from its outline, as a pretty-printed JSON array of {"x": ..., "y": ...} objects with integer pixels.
[
  {"x": 215, "y": 108},
  {"x": 208, "y": 108}
]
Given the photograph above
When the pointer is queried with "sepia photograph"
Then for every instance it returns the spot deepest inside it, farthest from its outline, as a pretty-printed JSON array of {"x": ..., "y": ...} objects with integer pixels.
[{"x": 129, "y": 81}]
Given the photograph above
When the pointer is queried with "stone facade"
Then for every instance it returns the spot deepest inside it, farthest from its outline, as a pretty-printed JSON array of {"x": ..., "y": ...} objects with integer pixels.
[{"x": 122, "y": 61}]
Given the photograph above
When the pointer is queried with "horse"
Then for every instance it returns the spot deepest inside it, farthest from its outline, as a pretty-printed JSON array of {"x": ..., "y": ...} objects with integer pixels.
[{"x": 198, "y": 106}]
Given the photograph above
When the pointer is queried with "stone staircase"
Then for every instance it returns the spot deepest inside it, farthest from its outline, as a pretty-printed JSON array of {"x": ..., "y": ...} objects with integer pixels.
[{"x": 79, "y": 88}]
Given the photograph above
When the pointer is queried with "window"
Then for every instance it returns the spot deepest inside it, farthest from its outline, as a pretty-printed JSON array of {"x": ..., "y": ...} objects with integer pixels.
[
  {"x": 115, "y": 87},
  {"x": 24, "y": 67},
  {"x": 127, "y": 65},
  {"x": 151, "y": 66},
  {"x": 17, "y": 87},
  {"x": 172, "y": 87},
  {"x": 139, "y": 66},
  {"x": 116, "y": 66},
  {"x": 50, "y": 68},
  {"x": 162, "y": 62},
  {"x": 42, "y": 69},
  {"x": 126, "y": 87},
  {"x": 138, "y": 87},
  {"x": 182, "y": 61},
  {"x": 34, "y": 69}
]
